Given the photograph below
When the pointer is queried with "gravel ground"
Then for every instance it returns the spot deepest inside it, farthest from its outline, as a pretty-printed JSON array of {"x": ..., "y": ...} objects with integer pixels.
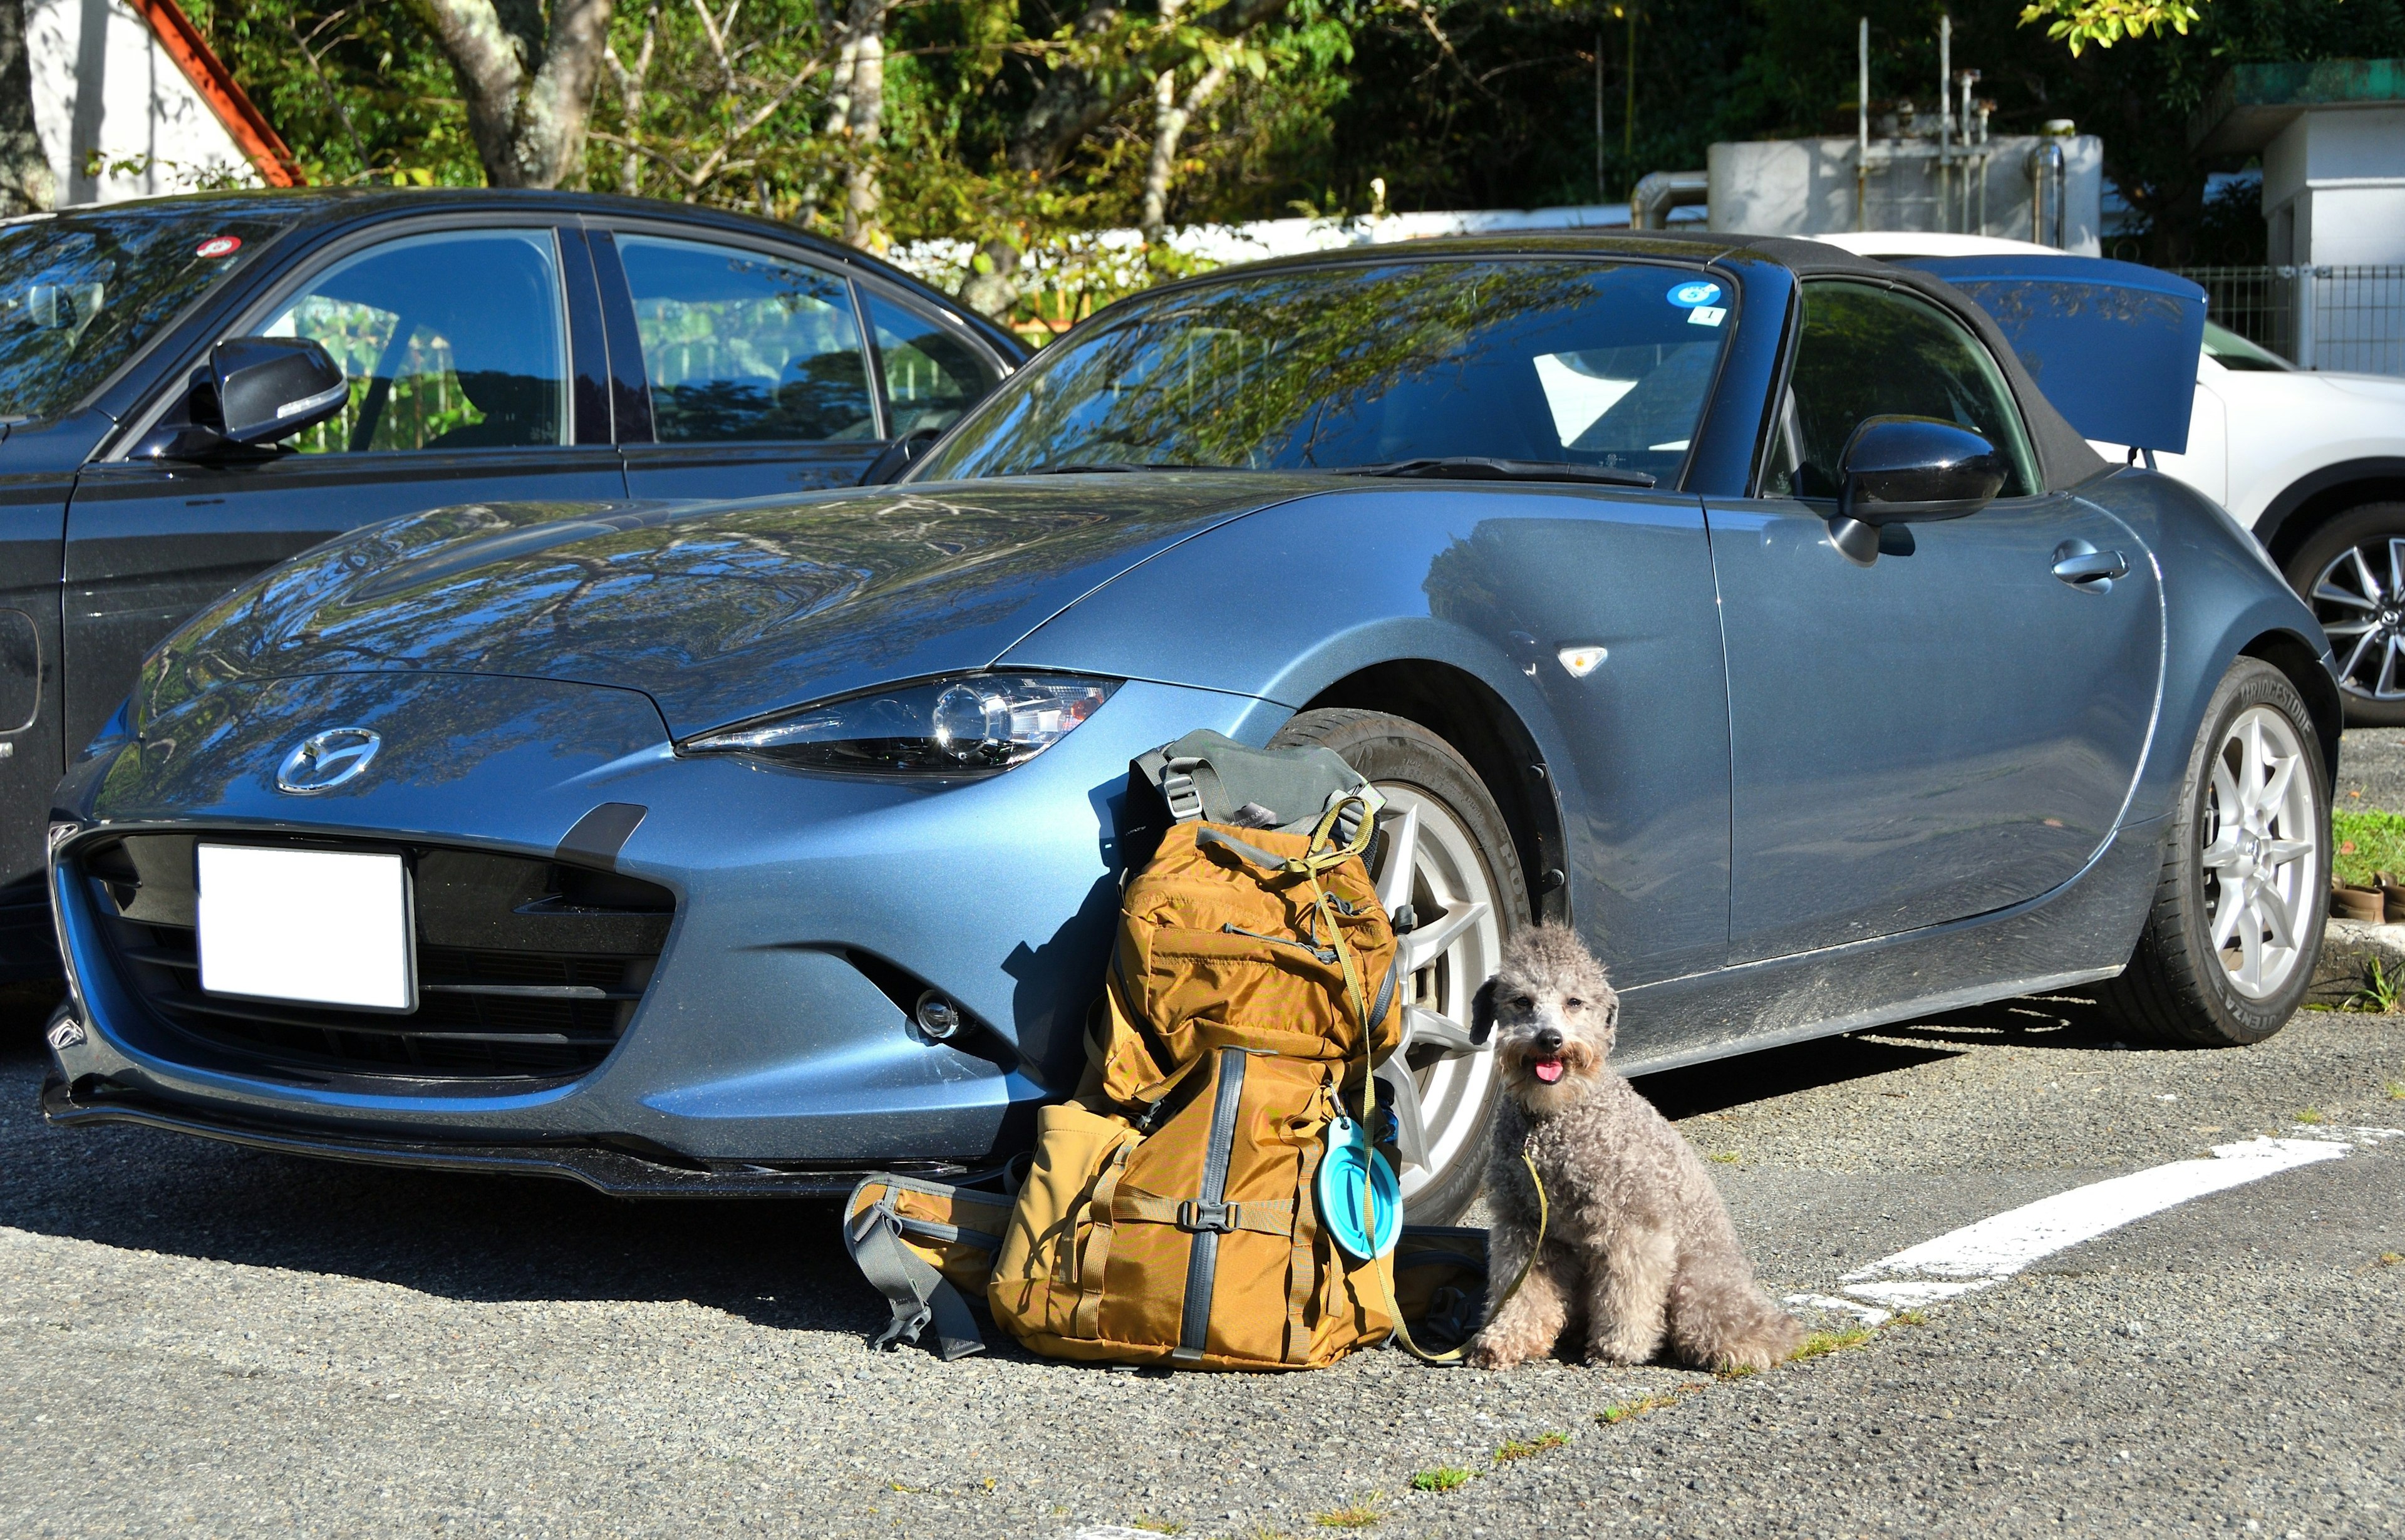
[
  {"x": 2372, "y": 770},
  {"x": 196, "y": 1339}
]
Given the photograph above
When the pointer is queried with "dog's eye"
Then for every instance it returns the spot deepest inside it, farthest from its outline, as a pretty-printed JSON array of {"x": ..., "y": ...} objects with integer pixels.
[
  {"x": 1524, "y": 1002},
  {"x": 1574, "y": 1004}
]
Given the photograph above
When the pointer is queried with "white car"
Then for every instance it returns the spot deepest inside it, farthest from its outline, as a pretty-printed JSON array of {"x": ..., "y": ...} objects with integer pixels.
[{"x": 2313, "y": 462}]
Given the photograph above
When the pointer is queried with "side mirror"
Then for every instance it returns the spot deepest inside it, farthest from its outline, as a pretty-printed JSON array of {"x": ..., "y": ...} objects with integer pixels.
[
  {"x": 253, "y": 391},
  {"x": 1909, "y": 470},
  {"x": 272, "y": 387}
]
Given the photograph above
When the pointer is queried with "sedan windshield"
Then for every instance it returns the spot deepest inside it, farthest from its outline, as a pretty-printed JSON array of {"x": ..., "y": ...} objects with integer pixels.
[
  {"x": 1526, "y": 363},
  {"x": 79, "y": 294}
]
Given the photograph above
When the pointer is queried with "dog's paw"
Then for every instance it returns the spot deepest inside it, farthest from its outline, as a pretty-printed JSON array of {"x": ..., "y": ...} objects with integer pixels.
[
  {"x": 1485, "y": 1352},
  {"x": 1621, "y": 1352}
]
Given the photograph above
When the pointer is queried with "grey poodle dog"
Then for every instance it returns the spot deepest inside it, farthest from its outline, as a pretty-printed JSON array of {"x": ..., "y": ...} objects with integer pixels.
[{"x": 1639, "y": 1245}]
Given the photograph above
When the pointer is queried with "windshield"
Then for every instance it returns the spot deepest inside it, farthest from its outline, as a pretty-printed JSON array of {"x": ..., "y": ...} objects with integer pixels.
[
  {"x": 1560, "y": 362},
  {"x": 2231, "y": 351},
  {"x": 80, "y": 294}
]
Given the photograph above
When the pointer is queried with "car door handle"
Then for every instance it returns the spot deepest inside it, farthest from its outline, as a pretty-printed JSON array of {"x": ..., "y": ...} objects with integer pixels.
[{"x": 2084, "y": 567}]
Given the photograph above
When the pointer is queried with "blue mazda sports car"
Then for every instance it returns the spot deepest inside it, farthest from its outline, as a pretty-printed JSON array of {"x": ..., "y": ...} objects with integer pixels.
[{"x": 1739, "y": 601}]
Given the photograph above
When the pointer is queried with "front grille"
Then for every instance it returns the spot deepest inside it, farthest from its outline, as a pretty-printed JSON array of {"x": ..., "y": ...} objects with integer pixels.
[{"x": 528, "y": 969}]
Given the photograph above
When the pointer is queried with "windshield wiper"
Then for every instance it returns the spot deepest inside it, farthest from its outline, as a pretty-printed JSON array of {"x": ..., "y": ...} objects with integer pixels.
[
  {"x": 1482, "y": 467},
  {"x": 1104, "y": 467}
]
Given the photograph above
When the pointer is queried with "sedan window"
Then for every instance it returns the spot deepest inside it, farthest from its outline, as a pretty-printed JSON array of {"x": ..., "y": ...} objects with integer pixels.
[
  {"x": 81, "y": 293},
  {"x": 741, "y": 347},
  {"x": 931, "y": 376},
  {"x": 436, "y": 362},
  {"x": 1870, "y": 352},
  {"x": 1531, "y": 362}
]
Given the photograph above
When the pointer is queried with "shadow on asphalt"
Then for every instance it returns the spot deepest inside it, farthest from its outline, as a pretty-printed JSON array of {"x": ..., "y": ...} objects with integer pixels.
[{"x": 777, "y": 1263}]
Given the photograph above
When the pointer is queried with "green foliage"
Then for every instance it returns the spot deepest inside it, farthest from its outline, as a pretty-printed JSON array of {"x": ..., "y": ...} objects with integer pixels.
[
  {"x": 2077, "y": 24},
  {"x": 1442, "y": 1478},
  {"x": 2368, "y": 843},
  {"x": 1452, "y": 104}
]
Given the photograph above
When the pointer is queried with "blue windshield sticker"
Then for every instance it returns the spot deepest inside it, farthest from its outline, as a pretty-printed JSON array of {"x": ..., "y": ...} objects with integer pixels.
[{"x": 1689, "y": 295}]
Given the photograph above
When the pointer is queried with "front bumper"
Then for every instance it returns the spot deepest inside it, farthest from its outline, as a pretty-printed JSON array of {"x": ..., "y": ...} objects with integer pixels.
[{"x": 762, "y": 1057}]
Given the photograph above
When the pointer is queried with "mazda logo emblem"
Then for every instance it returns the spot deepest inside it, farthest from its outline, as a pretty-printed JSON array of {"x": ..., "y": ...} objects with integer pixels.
[{"x": 323, "y": 760}]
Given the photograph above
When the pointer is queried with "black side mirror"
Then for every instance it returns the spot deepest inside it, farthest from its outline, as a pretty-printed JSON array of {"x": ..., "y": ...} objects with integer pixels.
[
  {"x": 272, "y": 387},
  {"x": 253, "y": 391},
  {"x": 1911, "y": 471}
]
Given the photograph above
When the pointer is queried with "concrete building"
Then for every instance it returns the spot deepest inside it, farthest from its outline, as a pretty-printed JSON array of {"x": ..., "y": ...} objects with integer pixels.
[
  {"x": 2332, "y": 139},
  {"x": 130, "y": 102}
]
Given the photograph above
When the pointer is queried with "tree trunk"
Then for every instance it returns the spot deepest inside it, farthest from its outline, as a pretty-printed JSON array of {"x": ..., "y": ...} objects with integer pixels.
[
  {"x": 528, "y": 85},
  {"x": 856, "y": 115},
  {"x": 1073, "y": 103},
  {"x": 26, "y": 183},
  {"x": 1169, "y": 118},
  {"x": 631, "y": 94}
]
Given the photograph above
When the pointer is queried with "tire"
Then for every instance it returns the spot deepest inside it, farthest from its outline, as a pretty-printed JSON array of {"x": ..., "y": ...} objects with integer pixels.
[
  {"x": 1444, "y": 825},
  {"x": 2367, "y": 629},
  {"x": 2181, "y": 985}
]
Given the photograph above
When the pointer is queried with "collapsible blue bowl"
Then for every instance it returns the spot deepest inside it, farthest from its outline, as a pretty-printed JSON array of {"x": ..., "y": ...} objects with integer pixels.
[{"x": 1349, "y": 1164}]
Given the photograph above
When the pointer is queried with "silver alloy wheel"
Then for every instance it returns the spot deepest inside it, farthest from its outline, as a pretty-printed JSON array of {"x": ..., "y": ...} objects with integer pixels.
[
  {"x": 2261, "y": 851},
  {"x": 1439, "y": 1086},
  {"x": 2363, "y": 612}
]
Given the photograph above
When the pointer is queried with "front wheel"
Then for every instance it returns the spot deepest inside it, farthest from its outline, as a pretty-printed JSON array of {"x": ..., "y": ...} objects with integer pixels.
[
  {"x": 2229, "y": 946},
  {"x": 1447, "y": 853}
]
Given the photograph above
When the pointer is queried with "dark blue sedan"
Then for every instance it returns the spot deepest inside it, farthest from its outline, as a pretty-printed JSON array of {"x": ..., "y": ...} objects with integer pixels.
[
  {"x": 493, "y": 346},
  {"x": 1739, "y": 602}
]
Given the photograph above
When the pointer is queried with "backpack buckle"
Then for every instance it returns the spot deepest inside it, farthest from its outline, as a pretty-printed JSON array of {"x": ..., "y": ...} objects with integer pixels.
[{"x": 1201, "y": 1214}]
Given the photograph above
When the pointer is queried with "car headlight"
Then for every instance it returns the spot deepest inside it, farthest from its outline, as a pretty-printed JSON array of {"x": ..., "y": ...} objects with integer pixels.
[{"x": 953, "y": 726}]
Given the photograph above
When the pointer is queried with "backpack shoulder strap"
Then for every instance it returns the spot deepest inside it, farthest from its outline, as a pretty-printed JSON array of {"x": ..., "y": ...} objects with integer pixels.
[{"x": 918, "y": 1295}]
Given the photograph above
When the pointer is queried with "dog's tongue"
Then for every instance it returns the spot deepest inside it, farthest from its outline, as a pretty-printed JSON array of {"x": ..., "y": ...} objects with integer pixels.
[{"x": 1547, "y": 1070}]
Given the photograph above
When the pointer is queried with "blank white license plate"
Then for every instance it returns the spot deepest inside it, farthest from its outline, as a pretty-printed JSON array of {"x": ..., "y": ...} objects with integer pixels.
[{"x": 329, "y": 927}]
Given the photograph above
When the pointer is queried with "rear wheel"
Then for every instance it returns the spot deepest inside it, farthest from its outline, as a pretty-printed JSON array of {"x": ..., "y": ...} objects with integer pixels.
[
  {"x": 1447, "y": 853},
  {"x": 2352, "y": 571},
  {"x": 2229, "y": 949}
]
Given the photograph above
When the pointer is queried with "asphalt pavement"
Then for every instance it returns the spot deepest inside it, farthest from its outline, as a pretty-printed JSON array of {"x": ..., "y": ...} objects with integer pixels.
[{"x": 197, "y": 1340}]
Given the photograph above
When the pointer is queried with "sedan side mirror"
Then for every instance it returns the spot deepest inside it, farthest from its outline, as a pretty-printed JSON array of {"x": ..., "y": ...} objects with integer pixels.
[
  {"x": 1909, "y": 470},
  {"x": 252, "y": 392},
  {"x": 272, "y": 387}
]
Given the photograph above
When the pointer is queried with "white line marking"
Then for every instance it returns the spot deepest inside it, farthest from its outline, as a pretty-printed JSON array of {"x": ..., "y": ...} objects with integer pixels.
[{"x": 1996, "y": 1248}]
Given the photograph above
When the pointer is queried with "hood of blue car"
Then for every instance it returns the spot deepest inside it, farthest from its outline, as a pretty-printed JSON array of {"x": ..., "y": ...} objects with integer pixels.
[{"x": 718, "y": 611}]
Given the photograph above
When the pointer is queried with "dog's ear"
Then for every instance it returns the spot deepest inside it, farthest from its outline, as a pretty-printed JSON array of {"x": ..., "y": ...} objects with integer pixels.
[{"x": 1481, "y": 1013}]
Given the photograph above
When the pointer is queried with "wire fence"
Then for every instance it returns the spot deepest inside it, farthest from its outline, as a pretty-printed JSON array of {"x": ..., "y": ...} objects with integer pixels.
[{"x": 2350, "y": 318}]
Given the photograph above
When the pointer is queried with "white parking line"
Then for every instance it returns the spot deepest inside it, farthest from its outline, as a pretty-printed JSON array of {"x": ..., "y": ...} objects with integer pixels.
[{"x": 1979, "y": 1256}]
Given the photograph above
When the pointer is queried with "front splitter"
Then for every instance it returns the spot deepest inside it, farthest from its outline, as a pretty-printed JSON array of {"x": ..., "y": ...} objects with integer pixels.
[{"x": 618, "y": 1173}]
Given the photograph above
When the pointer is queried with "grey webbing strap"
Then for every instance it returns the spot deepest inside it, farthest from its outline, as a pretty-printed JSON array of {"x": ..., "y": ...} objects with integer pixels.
[
  {"x": 1239, "y": 850},
  {"x": 1203, "y": 1260},
  {"x": 1386, "y": 996},
  {"x": 917, "y": 1292}
]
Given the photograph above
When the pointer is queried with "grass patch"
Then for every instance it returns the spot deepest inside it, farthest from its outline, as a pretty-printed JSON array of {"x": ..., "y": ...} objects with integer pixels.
[
  {"x": 1357, "y": 1515},
  {"x": 2395, "y": 1090},
  {"x": 1442, "y": 1478},
  {"x": 2310, "y": 1117},
  {"x": 2368, "y": 843},
  {"x": 1156, "y": 1526},
  {"x": 1520, "y": 1448},
  {"x": 2380, "y": 993},
  {"x": 1722, "y": 1157},
  {"x": 1828, "y": 1342},
  {"x": 1908, "y": 1318},
  {"x": 1643, "y": 1403}
]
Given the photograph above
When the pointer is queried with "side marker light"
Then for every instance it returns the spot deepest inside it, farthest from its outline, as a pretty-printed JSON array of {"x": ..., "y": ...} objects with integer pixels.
[{"x": 1583, "y": 661}]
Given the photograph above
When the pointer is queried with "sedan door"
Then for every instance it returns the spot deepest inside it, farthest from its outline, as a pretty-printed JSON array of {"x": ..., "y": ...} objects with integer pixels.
[
  {"x": 1952, "y": 729},
  {"x": 474, "y": 357},
  {"x": 764, "y": 374}
]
